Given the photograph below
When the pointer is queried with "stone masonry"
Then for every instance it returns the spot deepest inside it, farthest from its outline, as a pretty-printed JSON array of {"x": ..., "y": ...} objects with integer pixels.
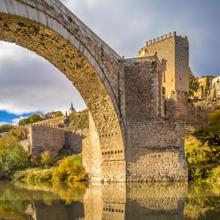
[
  {"x": 128, "y": 131},
  {"x": 52, "y": 139},
  {"x": 155, "y": 146},
  {"x": 174, "y": 51}
]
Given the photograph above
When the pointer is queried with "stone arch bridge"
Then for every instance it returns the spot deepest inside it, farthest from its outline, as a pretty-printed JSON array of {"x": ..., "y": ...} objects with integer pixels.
[{"x": 129, "y": 138}]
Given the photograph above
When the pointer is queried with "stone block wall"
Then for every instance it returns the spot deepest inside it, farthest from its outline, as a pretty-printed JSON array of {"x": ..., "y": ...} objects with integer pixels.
[
  {"x": 103, "y": 164},
  {"x": 177, "y": 107},
  {"x": 91, "y": 153},
  {"x": 157, "y": 152},
  {"x": 154, "y": 145},
  {"x": 73, "y": 141},
  {"x": 143, "y": 90},
  {"x": 44, "y": 138}
]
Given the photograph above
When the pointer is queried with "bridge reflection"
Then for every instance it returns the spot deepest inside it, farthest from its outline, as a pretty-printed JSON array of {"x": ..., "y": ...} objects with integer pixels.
[
  {"x": 100, "y": 202},
  {"x": 136, "y": 201}
]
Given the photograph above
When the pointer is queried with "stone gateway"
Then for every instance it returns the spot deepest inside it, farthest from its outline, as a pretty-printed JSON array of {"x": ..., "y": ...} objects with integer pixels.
[{"x": 130, "y": 137}]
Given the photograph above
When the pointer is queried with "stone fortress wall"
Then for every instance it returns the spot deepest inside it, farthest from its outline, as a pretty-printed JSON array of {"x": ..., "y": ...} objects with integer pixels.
[
  {"x": 174, "y": 51},
  {"x": 157, "y": 152},
  {"x": 52, "y": 139}
]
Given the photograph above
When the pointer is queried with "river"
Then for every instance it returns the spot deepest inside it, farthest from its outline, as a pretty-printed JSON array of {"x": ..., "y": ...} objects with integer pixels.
[{"x": 110, "y": 202}]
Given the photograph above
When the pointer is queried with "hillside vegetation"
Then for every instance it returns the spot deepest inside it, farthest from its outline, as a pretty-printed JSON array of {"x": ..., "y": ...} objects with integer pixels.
[{"x": 203, "y": 151}]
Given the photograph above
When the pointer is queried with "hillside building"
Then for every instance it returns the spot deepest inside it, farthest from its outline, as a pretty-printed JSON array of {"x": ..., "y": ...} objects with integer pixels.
[{"x": 209, "y": 87}]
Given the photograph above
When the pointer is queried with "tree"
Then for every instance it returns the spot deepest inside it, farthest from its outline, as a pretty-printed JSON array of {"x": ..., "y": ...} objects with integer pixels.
[
  {"x": 193, "y": 83},
  {"x": 58, "y": 114},
  {"x": 207, "y": 86},
  {"x": 5, "y": 128},
  {"x": 211, "y": 133},
  {"x": 32, "y": 119}
]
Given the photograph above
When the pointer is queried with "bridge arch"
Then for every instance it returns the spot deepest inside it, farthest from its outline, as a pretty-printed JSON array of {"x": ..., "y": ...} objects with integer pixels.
[{"x": 53, "y": 32}]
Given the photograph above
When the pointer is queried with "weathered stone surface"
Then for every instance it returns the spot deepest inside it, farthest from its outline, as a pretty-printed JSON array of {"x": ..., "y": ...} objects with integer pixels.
[
  {"x": 124, "y": 97},
  {"x": 44, "y": 138},
  {"x": 154, "y": 147},
  {"x": 52, "y": 139},
  {"x": 73, "y": 141},
  {"x": 174, "y": 51}
]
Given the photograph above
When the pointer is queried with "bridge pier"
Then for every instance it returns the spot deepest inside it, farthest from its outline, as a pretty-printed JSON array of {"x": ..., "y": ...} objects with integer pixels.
[{"x": 154, "y": 144}]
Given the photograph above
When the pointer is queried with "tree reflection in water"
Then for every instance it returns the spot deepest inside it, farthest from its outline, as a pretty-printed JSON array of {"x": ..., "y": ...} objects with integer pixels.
[{"x": 112, "y": 202}]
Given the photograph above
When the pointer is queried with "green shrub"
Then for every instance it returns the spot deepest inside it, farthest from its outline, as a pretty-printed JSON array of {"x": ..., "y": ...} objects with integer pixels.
[
  {"x": 13, "y": 137},
  {"x": 69, "y": 170},
  {"x": 58, "y": 113},
  {"x": 211, "y": 133},
  {"x": 12, "y": 159},
  {"x": 46, "y": 158},
  {"x": 34, "y": 175},
  {"x": 201, "y": 158},
  {"x": 31, "y": 119},
  {"x": 5, "y": 128},
  {"x": 79, "y": 120},
  {"x": 19, "y": 133},
  {"x": 214, "y": 176}
]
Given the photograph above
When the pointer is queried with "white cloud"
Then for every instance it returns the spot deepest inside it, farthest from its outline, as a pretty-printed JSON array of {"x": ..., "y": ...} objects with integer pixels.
[
  {"x": 3, "y": 123},
  {"x": 15, "y": 121},
  {"x": 28, "y": 83},
  {"x": 126, "y": 24}
]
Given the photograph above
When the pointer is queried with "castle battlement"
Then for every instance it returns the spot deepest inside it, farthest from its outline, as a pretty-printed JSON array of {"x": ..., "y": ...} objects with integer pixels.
[
  {"x": 161, "y": 38},
  {"x": 55, "y": 128},
  {"x": 47, "y": 126}
]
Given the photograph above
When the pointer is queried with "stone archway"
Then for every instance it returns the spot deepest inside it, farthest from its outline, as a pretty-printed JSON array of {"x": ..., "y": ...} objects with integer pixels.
[{"x": 53, "y": 32}]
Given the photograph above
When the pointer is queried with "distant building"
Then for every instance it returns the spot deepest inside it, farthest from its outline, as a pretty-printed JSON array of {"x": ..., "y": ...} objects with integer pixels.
[
  {"x": 205, "y": 85},
  {"x": 216, "y": 87},
  {"x": 50, "y": 115},
  {"x": 173, "y": 50},
  {"x": 71, "y": 110},
  {"x": 209, "y": 87}
]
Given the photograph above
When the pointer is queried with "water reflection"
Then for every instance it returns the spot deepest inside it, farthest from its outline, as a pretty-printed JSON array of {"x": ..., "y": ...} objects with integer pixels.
[{"x": 110, "y": 202}]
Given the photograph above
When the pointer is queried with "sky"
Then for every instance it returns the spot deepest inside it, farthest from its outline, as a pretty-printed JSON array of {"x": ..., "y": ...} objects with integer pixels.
[{"x": 28, "y": 83}]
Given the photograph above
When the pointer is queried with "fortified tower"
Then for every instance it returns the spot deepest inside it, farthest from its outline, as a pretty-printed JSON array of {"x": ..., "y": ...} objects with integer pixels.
[{"x": 173, "y": 50}]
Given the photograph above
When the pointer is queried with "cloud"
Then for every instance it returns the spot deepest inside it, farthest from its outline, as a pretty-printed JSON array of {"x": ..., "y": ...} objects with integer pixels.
[
  {"x": 28, "y": 83},
  {"x": 3, "y": 123},
  {"x": 15, "y": 121},
  {"x": 126, "y": 24}
]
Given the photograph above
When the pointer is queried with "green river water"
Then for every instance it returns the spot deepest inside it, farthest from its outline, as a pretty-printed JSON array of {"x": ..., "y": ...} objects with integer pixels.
[{"x": 109, "y": 202}]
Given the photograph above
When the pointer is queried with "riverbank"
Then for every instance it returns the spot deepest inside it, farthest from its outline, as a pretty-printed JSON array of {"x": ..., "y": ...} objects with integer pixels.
[{"x": 67, "y": 170}]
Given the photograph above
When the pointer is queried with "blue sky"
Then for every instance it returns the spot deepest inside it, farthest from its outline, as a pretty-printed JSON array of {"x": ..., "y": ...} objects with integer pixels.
[
  {"x": 125, "y": 25},
  {"x": 11, "y": 118}
]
